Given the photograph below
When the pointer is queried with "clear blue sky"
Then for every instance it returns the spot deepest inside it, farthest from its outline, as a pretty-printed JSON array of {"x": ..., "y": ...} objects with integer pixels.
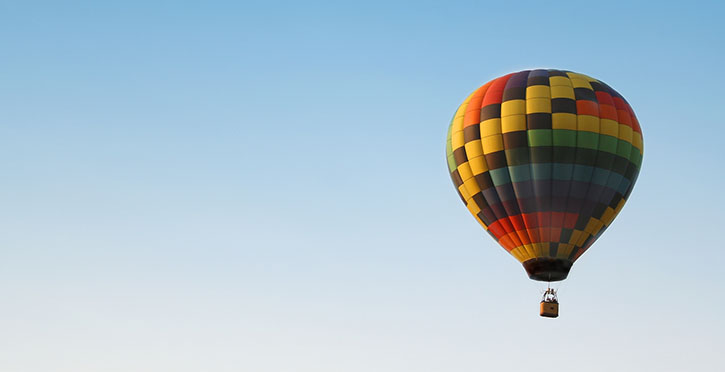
[{"x": 261, "y": 186}]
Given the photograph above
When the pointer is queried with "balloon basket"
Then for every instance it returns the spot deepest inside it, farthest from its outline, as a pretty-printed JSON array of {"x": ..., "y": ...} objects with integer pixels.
[
  {"x": 549, "y": 305},
  {"x": 549, "y": 309}
]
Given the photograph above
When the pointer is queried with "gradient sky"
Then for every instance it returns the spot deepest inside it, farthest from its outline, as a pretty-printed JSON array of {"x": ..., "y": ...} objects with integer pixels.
[{"x": 261, "y": 187}]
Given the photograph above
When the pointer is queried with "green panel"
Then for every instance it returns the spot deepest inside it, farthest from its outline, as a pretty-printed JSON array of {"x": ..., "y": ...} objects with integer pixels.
[
  {"x": 449, "y": 144},
  {"x": 564, "y": 137},
  {"x": 635, "y": 157},
  {"x": 624, "y": 149},
  {"x": 587, "y": 140},
  {"x": 451, "y": 163},
  {"x": 608, "y": 143},
  {"x": 449, "y": 149},
  {"x": 539, "y": 137}
]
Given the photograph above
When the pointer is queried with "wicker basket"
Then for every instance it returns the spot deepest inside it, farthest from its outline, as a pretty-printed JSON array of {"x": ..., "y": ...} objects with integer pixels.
[{"x": 549, "y": 309}]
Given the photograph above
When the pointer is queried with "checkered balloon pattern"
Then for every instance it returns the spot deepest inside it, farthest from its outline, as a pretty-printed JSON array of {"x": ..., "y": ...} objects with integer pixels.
[{"x": 544, "y": 160}]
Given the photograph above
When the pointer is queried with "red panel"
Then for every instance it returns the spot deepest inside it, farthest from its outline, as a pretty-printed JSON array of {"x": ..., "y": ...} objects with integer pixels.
[
  {"x": 604, "y": 98},
  {"x": 472, "y": 115},
  {"x": 497, "y": 229},
  {"x": 635, "y": 122},
  {"x": 584, "y": 107},
  {"x": 624, "y": 118},
  {"x": 523, "y": 236},
  {"x": 495, "y": 92},
  {"x": 619, "y": 103},
  {"x": 623, "y": 112},
  {"x": 557, "y": 219},
  {"x": 570, "y": 220},
  {"x": 544, "y": 219},
  {"x": 517, "y": 222},
  {"x": 531, "y": 220},
  {"x": 608, "y": 112},
  {"x": 507, "y": 243},
  {"x": 545, "y": 234},
  {"x": 555, "y": 234},
  {"x": 505, "y": 224}
]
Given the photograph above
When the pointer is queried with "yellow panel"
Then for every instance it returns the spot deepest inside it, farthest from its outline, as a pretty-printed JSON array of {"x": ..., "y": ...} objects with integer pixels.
[
  {"x": 591, "y": 225},
  {"x": 576, "y": 75},
  {"x": 625, "y": 133},
  {"x": 516, "y": 252},
  {"x": 473, "y": 149},
  {"x": 530, "y": 251},
  {"x": 637, "y": 141},
  {"x": 538, "y": 249},
  {"x": 562, "y": 91},
  {"x": 457, "y": 124},
  {"x": 513, "y": 123},
  {"x": 538, "y": 91},
  {"x": 582, "y": 237},
  {"x": 464, "y": 171},
  {"x": 472, "y": 186},
  {"x": 587, "y": 123},
  {"x": 559, "y": 81},
  {"x": 535, "y": 105},
  {"x": 619, "y": 206},
  {"x": 599, "y": 225},
  {"x": 523, "y": 253},
  {"x": 608, "y": 216},
  {"x": 513, "y": 107},
  {"x": 472, "y": 207},
  {"x": 492, "y": 143},
  {"x": 561, "y": 120},
  {"x": 478, "y": 165},
  {"x": 457, "y": 139},
  {"x": 564, "y": 250},
  {"x": 462, "y": 108},
  {"x": 575, "y": 236},
  {"x": 464, "y": 193},
  {"x": 580, "y": 83},
  {"x": 490, "y": 126},
  {"x": 608, "y": 127}
]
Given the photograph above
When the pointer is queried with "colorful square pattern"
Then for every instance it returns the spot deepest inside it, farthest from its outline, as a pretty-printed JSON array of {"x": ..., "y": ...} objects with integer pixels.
[{"x": 544, "y": 160}]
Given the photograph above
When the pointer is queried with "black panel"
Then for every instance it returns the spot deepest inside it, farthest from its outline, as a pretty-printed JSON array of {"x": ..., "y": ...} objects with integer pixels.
[
  {"x": 538, "y": 121},
  {"x": 514, "y": 93},
  {"x": 585, "y": 94},
  {"x": 547, "y": 269},
  {"x": 491, "y": 111},
  {"x": 472, "y": 133},
  {"x": 567, "y": 105}
]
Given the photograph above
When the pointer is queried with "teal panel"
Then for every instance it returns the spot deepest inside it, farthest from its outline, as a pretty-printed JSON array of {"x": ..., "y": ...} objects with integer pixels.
[
  {"x": 520, "y": 173},
  {"x": 500, "y": 176},
  {"x": 562, "y": 171},
  {"x": 582, "y": 173}
]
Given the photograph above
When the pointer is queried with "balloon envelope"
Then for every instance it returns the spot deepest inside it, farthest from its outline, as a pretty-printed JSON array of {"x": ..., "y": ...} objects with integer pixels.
[{"x": 544, "y": 160}]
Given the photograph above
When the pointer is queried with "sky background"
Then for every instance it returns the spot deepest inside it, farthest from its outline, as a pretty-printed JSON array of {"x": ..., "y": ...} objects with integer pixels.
[{"x": 262, "y": 187}]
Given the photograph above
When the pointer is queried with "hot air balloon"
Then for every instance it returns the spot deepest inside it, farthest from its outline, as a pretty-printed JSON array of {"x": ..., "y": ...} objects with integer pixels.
[{"x": 544, "y": 160}]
